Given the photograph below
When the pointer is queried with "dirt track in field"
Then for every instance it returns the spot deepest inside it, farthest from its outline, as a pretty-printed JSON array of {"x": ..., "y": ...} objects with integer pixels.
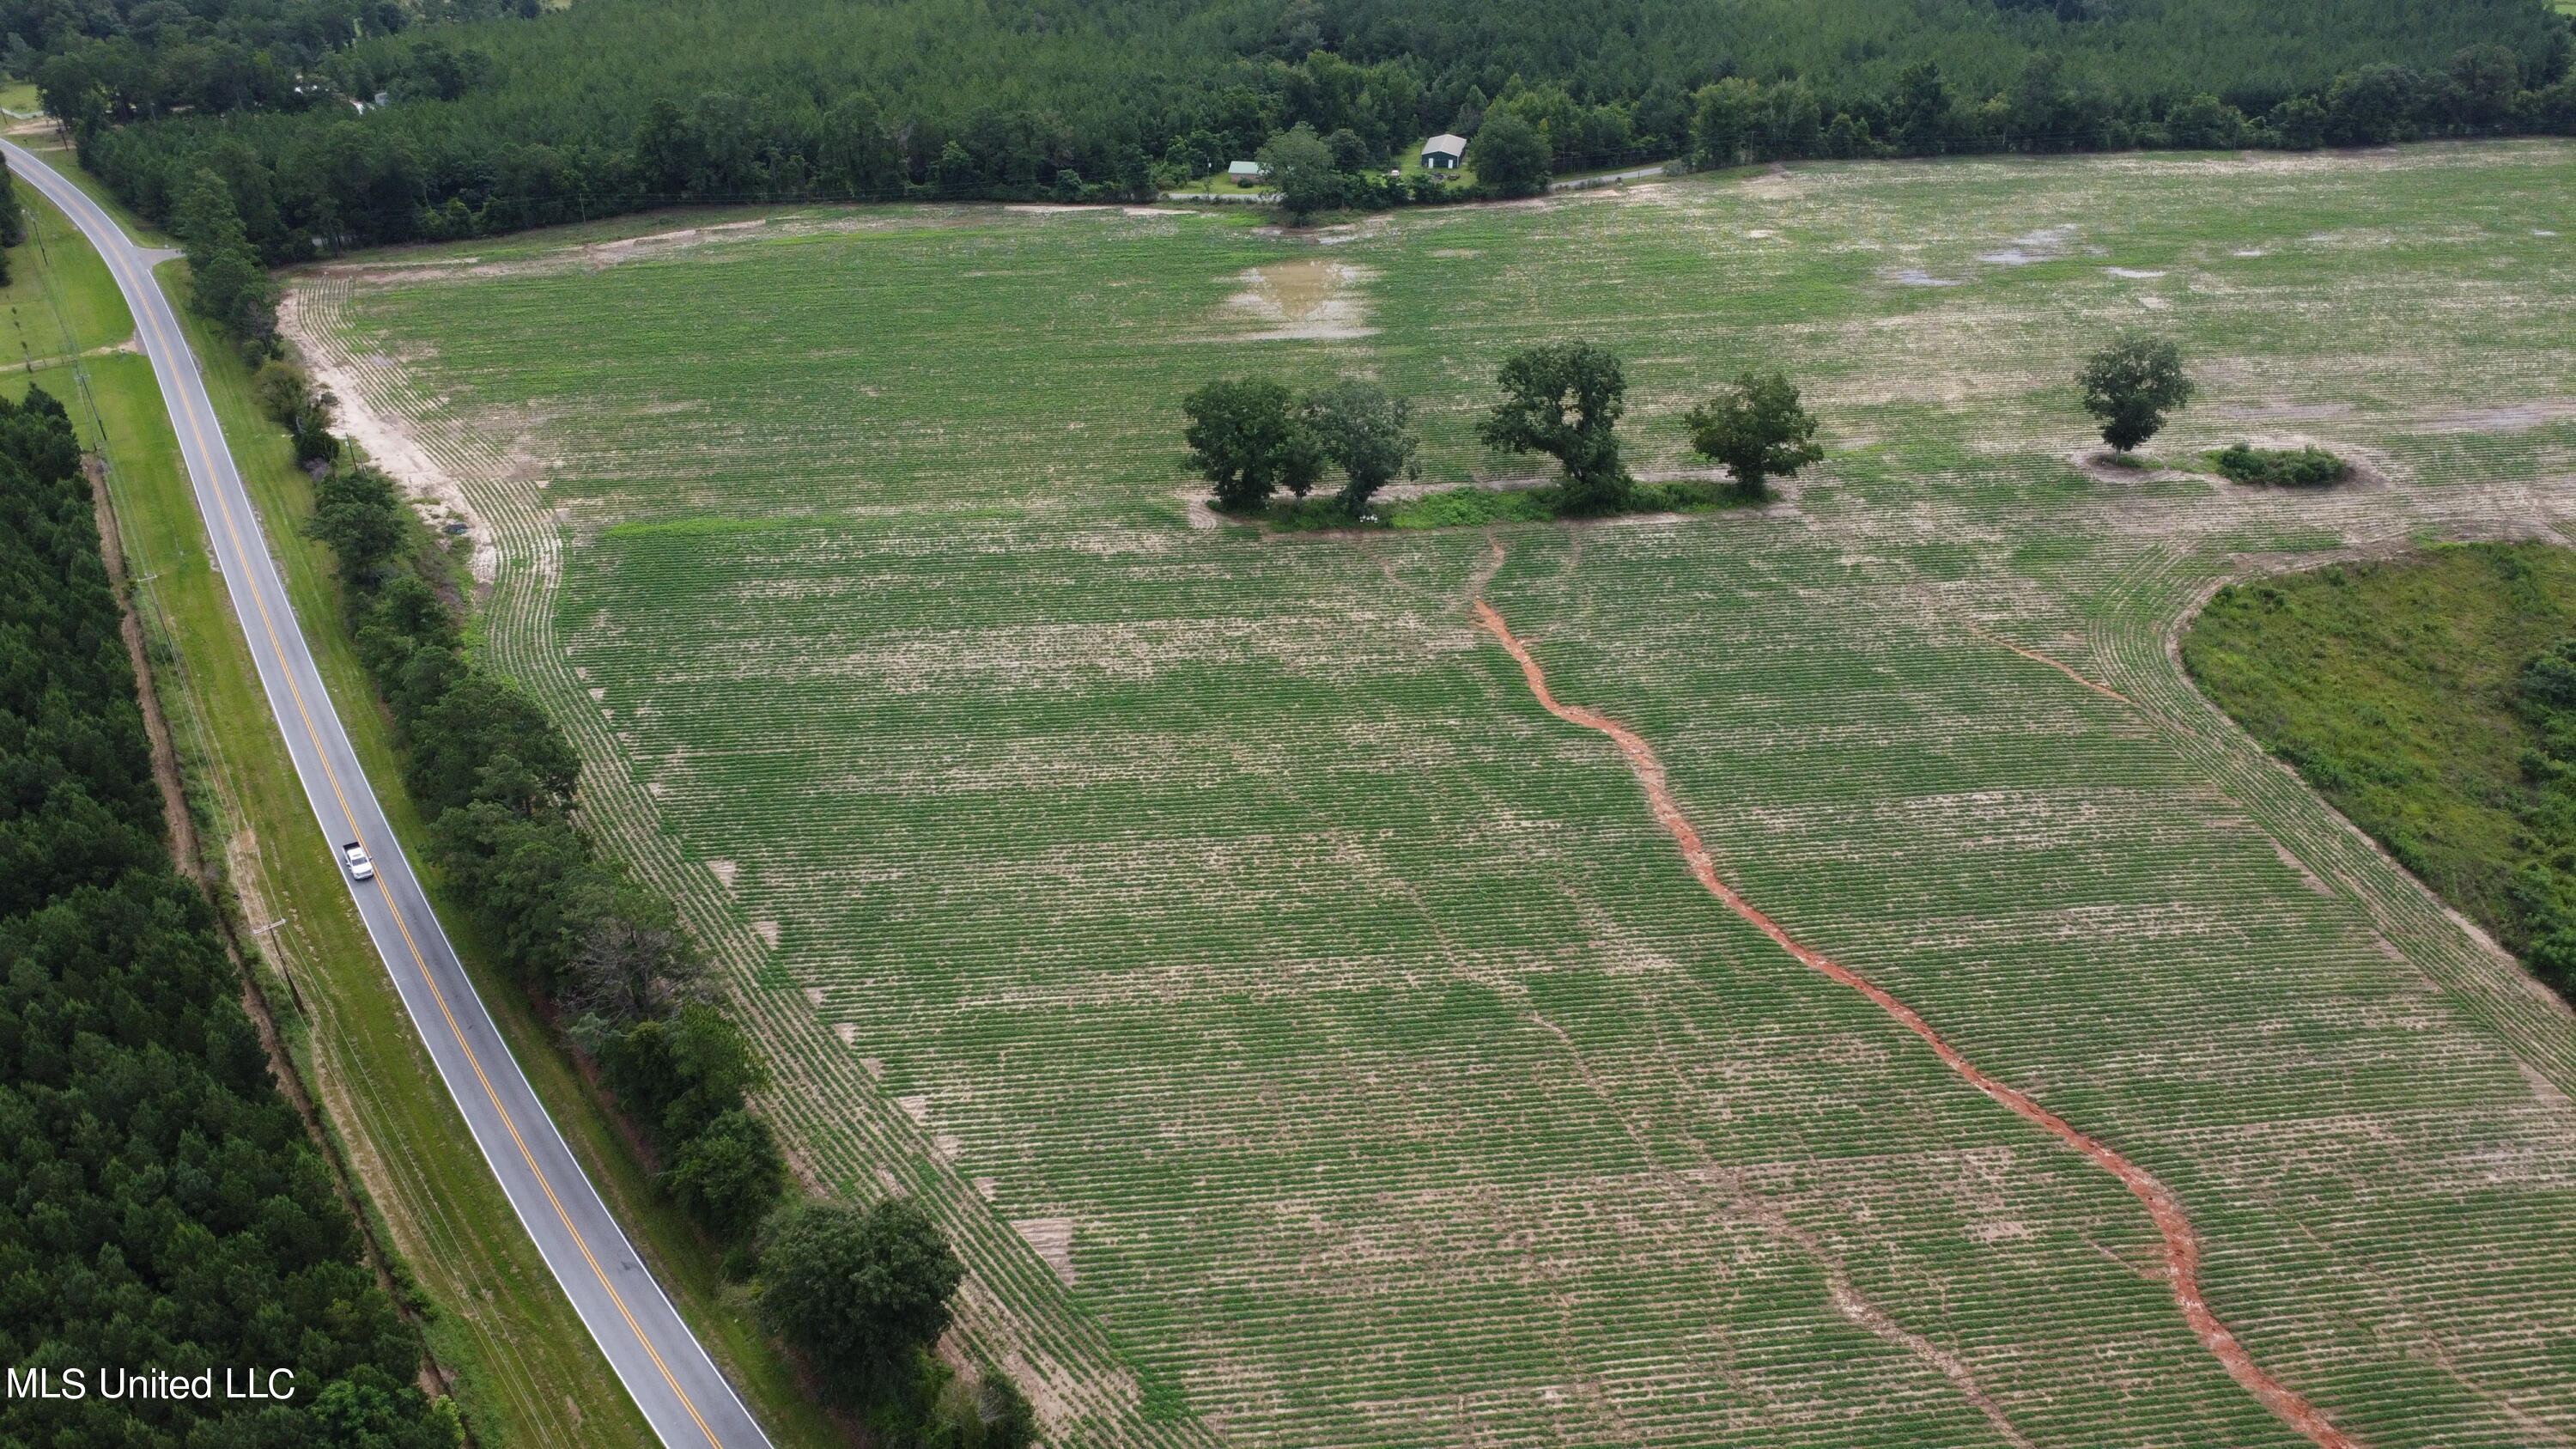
[
  {"x": 2182, "y": 1248},
  {"x": 2036, "y": 657}
]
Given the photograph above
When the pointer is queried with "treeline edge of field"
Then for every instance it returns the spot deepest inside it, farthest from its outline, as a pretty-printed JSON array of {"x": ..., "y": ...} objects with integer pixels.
[{"x": 343, "y": 123}]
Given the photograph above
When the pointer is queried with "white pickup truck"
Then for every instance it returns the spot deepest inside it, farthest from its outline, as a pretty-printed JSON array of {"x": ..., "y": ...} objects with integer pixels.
[{"x": 360, "y": 868}]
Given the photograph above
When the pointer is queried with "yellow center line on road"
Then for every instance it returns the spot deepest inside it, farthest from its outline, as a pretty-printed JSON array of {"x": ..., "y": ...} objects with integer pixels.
[{"x": 232, "y": 529}]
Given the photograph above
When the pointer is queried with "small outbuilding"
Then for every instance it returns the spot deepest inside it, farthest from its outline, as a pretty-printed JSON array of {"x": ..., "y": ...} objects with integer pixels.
[
  {"x": 1444, "y": 152},
  {"x": 1242, "y": 171}
]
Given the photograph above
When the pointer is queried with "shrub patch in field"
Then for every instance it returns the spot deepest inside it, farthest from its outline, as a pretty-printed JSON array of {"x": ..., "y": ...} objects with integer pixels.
[{"x": 2308, "y": 467}]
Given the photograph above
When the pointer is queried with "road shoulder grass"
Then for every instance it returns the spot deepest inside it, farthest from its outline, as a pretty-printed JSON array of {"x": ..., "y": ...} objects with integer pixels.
[
  {"x": 524, "y": 1369},
  {"x": 521, "y": 1366},
  {"x": 687, "y": 1267}
]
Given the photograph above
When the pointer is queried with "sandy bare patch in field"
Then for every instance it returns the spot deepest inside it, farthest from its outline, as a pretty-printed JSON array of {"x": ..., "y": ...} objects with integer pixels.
[
  {"x": 403, "y": 268},
  {"x": 609, "y": 254},
  {"x": 1368, "y": 226},
  {"x": 2095, "y": 463},
  {"x": 2044, "y": 245},
  {"x": 1200, "y": 513},
  {"x": 1776, "y": 184},
  {"x": 2283, "y": 412},
  {"x": 388, "y": 441},
  {"x": 1052, "y": 1238},
  {"x": 2508, "y": 418},
  {"x": 1302, "y": 299}
]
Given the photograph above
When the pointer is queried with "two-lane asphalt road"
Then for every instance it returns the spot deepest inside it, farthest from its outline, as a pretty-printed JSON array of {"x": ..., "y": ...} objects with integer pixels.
[{"x": 662, "y": 1364}]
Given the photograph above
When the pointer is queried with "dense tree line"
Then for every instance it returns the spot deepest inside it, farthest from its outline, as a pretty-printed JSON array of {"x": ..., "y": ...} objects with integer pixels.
[
  {"x": 13, "y": 219},
  {"x": 128, "y": 60},
  {"x": 2478, "y": 90},
  {"x": 500, "y": 120},
  {"x": 225, "y": 278},
  {"x": 161, "y": 1206},
  {"x": 499, "y": 779}
]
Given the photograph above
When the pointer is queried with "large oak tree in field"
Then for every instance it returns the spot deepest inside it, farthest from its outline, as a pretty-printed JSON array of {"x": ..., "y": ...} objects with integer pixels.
[
  {"x": 2131, "y": 385},
  {"x": 1757, "y": 429},
  {"x": 1564, "y": 400}
]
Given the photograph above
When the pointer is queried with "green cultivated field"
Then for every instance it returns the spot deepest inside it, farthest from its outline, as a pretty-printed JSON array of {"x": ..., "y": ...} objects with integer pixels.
[{"x": 1311, "y": 1041}]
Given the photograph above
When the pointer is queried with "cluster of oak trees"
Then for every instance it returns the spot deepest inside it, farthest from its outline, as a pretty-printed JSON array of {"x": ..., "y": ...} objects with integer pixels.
[
  {"x": 161, "y": 1203},
  {"x": 1252, "y": 437}
]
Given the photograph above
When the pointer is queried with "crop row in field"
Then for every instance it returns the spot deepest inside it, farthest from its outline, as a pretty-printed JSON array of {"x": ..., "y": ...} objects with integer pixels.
[{"x": 1314, "y": 1042}]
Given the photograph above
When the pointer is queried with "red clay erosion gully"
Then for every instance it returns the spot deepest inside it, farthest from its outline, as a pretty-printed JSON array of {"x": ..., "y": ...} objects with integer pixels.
[{"x": 2182, "y": 1248}]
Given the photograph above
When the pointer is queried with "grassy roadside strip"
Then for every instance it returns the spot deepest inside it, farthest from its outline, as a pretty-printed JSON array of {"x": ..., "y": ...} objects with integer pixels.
[
  {"x": 719, "y": 1313},
  {"x": 525, "y": 1371},
  {"x": 687, "y": 1268}
]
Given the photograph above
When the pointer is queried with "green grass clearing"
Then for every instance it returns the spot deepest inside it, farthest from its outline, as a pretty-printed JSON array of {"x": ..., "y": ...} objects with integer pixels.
[{"x": 2391, "y": 687}]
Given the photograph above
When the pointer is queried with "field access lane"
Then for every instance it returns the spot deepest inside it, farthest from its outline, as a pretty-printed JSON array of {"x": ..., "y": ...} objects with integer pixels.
[{"x": 684, "y": 1397}]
